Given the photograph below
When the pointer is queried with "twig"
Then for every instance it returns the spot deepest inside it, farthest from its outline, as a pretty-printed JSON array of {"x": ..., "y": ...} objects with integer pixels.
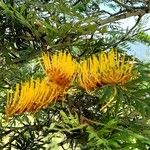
[
  {"x": 124, "y": 37},
  {"x": 78, "y": 1},
  {"x": 136, "y": 11},
  {"x": 122, "y": 4},
  {"x": 111, "y": 100}
]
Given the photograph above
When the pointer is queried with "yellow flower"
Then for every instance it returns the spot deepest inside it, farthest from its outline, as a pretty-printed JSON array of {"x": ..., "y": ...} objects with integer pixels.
[
  {"x": 89, "y": 77},
  {"x": 114, "y": 69},
  {"x": 59, "y": 68},
  {"x": 31, "y": 96},
  {"x": 106, "y": 68}
]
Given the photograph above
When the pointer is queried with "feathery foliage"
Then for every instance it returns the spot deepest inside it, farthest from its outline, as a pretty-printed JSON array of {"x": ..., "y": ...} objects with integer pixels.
[{"x": 113, "y": 115}]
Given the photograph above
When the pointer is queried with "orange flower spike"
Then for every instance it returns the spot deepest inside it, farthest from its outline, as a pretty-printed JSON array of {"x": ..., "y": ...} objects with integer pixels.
[
  {"x": 12, "y": 101},
  {"x": 107, "y": 68},
  {"x": 88, "y": 73},
  {"x": 31, "y": 96},
  {"x": 115, "y": 69},
  {"x": 59, "y": 68}
]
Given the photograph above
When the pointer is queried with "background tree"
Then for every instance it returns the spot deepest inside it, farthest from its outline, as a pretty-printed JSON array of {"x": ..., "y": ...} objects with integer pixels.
[{"x": 83, "y": 28}]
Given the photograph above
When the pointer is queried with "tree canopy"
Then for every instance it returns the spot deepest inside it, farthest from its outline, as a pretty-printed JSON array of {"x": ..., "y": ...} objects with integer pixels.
[{"x": 104, "y": 99}]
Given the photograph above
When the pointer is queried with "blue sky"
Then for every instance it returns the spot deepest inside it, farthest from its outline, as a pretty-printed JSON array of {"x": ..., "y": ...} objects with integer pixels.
[{"x": 139, "y": 50}]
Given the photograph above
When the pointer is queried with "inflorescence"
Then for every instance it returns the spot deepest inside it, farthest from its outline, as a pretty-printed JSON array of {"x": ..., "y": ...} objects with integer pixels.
[{"x": 61, "y": 71}]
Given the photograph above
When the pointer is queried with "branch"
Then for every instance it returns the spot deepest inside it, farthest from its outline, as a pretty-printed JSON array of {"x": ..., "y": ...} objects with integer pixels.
[
  {"x": 78, "y": 1},
  {"x": 122, "y": 4},
  {"x": 124, "y": 38},
  {"x": 148, "y": 29},
  {"x": 140, "y": 11},
  {"x": 126, "y": 35},
  {"x": 106, "y": 12}
]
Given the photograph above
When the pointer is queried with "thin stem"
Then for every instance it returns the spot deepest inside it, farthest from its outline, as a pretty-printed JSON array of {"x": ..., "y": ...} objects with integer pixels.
[{"x": 111, "y": 100}]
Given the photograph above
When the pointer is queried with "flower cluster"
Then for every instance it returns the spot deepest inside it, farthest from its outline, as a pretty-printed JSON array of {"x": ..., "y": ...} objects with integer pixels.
[
  {"x": 106, "y": 68},
  {"x": 60, "y": 68},
  {"x": 30, "y": 97},
  {"x": 61, "y": 71}
]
